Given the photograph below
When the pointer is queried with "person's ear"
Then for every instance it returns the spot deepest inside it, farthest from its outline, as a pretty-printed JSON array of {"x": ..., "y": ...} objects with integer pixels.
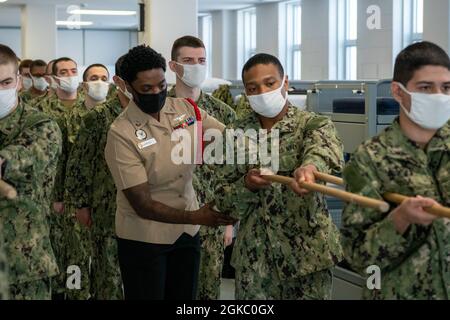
[
  {"x": 400, "y": 95},
  {"x": 19, "y": 83},
  {"x": 397, "y": 92},
  {"x": 85, "y": 86},
  {"x": 173, "y": 66},
  {"x": 286, "y": 83}
]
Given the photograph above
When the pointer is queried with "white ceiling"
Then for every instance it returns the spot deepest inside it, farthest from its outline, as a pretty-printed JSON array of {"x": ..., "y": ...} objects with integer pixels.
[{"x": 10, "y": 10}]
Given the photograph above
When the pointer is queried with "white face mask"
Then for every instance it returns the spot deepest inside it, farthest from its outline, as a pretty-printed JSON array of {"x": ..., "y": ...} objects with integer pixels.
[
  {"x": 27, "y": 83},
  {"x": 40, "y": 83},
  {"x": 429, "y": 111},
  {"x": 53, "y": 83},
  {"x": 98, "y": 90},
  {"x": 193, "y": 74},
  {"x": 269, "y": 104},
  {"x": 8, "y": 100},
  {"x": 68, "y": 84}
]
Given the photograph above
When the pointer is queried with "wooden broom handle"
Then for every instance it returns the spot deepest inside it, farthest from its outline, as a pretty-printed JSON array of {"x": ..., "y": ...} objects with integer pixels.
[
  {"x": 343, "y": 195},
  {"x": 437, "y": 210}
]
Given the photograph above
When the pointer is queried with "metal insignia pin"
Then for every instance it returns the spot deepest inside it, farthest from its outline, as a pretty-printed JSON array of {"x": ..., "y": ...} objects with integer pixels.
[{"x": 140, "y": 134}]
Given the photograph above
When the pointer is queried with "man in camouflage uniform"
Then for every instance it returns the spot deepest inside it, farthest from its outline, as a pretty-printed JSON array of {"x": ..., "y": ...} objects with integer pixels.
[
  {"x": 286, "y": 244},
  {"x": 64, "y": 241},
  {"x": 27, "y": 83},
  {"x": 30, "y": 144},
  {"x": 38, "y": 91},
  {"x": 242, "y": 107},
  {"x": 95, "y": 88},
  {"x": 223, "y": 93},
  {"x": 91, "y": 190},
  {"x": 191, "y": 51},
  {"x": 411, "y": 157}
]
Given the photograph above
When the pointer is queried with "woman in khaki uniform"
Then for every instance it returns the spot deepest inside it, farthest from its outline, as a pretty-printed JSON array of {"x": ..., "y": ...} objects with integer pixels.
[{"x": 158, "y": 216}]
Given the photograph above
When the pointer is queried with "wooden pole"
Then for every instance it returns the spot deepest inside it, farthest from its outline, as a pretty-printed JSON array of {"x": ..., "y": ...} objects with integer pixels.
[{"x": 343, "y": 195}]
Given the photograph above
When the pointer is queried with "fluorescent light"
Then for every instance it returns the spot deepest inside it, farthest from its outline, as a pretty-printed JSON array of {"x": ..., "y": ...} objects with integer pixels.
[
  {"x": 103, "y": 12},
  {"x": 3, "y": 1},
  {"x": 74, "y": 23}
]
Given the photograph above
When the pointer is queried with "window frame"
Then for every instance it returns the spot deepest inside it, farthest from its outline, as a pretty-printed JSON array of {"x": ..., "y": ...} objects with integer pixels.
[
  {"x": 247, "y": 28},
  {"x": 349, "y": 43},
  {"x": 292, "y": 47},
  {"x": 208, "y": 42}
]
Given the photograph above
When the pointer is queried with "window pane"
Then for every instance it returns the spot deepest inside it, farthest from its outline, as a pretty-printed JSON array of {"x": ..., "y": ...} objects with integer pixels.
[
  {"x": 352, "y": 19},
  {"x": 247, "y": 34},
  {"x": 297, "y": 25},
  {"x": 294, "y": 39},
  {"x": 350, "y": 63},
  {"x": 418, "y": 16},
  {"x": 253, "y": 31},
  {"x": 207, "y": 40},
  {"x": 297, "y": 65}
]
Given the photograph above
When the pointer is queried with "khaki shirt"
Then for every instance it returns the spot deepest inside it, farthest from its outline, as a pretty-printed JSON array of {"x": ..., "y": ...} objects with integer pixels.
[{"x": 138, "y": 151}]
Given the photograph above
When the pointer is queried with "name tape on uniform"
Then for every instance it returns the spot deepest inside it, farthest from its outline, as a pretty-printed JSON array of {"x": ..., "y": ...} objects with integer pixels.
[{"x": 147, "y": 143}]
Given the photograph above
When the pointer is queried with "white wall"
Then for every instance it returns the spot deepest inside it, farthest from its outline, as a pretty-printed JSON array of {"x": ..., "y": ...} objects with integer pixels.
[
  {"x": 106, "y": 46},
  {"x": 375, "y": 46},
  {"x": 39, "y": 31},
  {"x": 224, "y": 42},
  {"x": 268, "y": 26},
  {"x": 167, "y": 21},
  {"x": 436, "y": 22},
  {"x": 377, "y": 49},
  {"x": 315, "y": 39},
  {"x": 11, "y": 37},
  {"x": 71, "y": 44},
  {"x": 95, "y": 46}
]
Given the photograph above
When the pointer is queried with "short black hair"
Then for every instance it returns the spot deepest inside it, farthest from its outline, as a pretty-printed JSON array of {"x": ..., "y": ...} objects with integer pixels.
[
  {"x": 8, "y": 56},
  {"x": 186, "y": 41},
  {"x": 38, "y": 63},
  {"x": 25, "y": 64},
  {"x": 118, "y": 66},
  {"x": 416, "y": 56},
  {"x": 141, "y": 58},
  {"x": 85, "y": 73},
  {"x": 262, "y": 58},
  {"x": 55, "y": 64}
]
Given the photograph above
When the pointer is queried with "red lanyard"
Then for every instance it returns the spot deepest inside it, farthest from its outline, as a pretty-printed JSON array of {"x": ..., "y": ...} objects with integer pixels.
[{"x": 198, "y": 117}]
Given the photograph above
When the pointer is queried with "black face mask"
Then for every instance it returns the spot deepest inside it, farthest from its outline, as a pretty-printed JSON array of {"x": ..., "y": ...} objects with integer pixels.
[{"x": 150, "y": 103}]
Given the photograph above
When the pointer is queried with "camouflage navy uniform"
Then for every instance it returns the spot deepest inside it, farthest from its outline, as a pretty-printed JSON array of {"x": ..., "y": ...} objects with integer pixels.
[
  {"x": 68, "y": 237},
  {"x": 89, "y": 184},
  {"x": 286, "y": 244},
  {"x": 212, "y": 239},
  {"x": 414, "y": 265},
  {"x": 30, "y": 144}
]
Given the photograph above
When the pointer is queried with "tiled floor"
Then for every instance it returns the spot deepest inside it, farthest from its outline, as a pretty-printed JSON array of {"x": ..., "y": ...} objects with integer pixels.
[{"x": 227, "y": 289}]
